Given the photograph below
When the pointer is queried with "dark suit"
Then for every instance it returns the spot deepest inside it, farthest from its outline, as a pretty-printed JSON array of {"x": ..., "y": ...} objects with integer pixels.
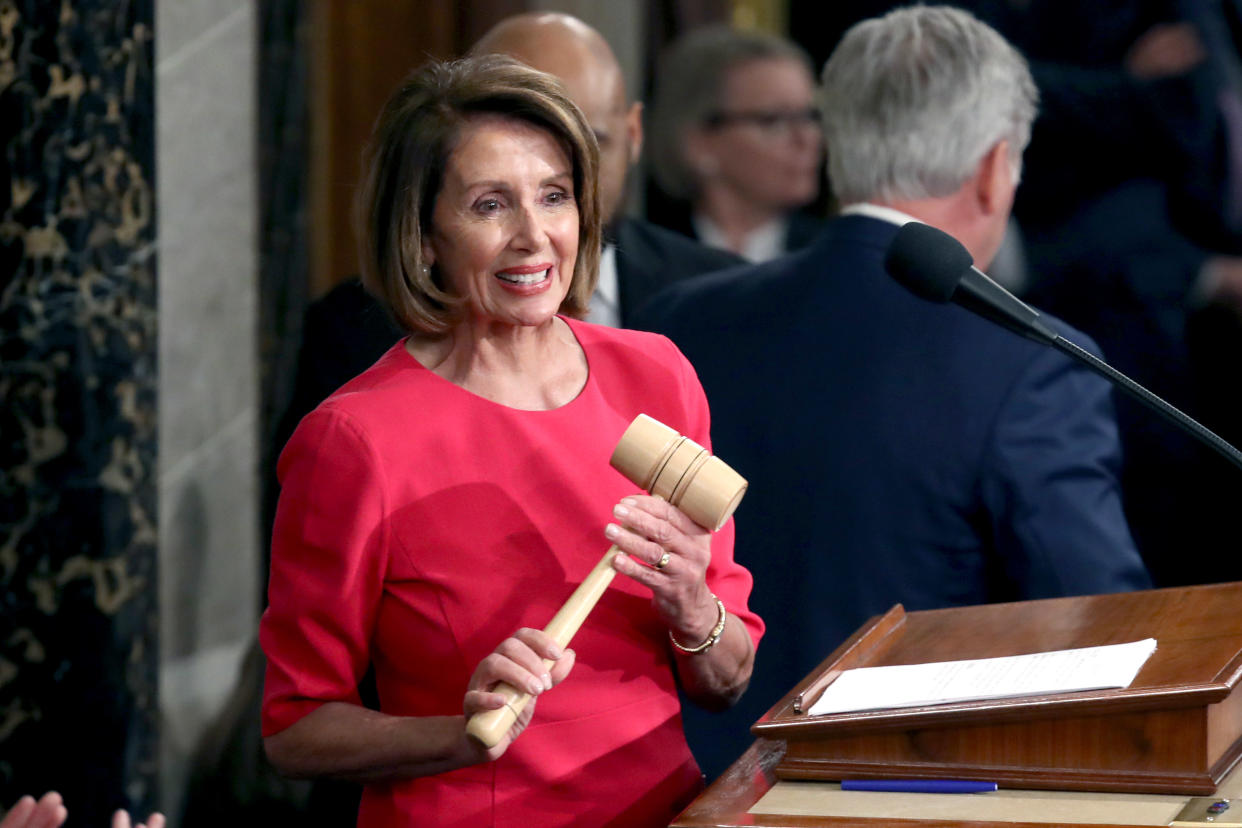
[
  {"x": 897, "y": 451},
  {"x": 650, "y": 258}
]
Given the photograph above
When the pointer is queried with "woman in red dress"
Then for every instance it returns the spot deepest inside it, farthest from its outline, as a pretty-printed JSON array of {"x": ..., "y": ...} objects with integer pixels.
[{"x": 438, "y": 509}]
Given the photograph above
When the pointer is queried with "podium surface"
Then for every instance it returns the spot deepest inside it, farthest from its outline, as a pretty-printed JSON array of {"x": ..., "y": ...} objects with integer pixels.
[
  {"x": 749, "y": 794},
  {"x": 1177, "y": 729}
]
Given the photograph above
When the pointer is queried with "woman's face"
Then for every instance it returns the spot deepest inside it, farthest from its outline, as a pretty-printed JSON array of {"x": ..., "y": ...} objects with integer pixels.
[
  {"x": 504, "y": 230},
  {"x": 765, "y": 145}
]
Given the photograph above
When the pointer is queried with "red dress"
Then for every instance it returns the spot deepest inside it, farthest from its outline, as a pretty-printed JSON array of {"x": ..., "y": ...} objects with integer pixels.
[{"x": 419, "y": 525}]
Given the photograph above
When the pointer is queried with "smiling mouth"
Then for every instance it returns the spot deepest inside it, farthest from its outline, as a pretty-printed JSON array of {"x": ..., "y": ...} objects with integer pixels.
[{"x": 525, "y": 278}]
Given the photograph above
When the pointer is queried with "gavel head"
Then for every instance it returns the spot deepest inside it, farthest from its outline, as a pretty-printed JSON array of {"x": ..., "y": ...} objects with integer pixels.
[{"x": 676, "y": 468}]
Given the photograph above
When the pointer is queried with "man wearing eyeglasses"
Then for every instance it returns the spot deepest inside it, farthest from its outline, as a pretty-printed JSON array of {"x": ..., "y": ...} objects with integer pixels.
[{"x": 736, "y": 138}]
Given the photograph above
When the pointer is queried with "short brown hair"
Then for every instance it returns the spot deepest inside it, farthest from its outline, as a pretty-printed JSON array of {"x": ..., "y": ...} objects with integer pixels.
[{"x": 404, "y": 168}]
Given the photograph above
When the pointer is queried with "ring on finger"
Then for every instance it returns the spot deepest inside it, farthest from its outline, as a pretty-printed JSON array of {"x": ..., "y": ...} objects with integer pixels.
[{"x": 663, "y": 562}]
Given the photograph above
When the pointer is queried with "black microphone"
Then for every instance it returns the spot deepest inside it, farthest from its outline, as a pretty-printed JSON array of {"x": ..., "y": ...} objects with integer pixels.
[{"x": 933, "y": 265}]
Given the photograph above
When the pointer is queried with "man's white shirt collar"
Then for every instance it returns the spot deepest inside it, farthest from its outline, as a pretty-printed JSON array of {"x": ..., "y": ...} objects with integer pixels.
[
  {"x": 605, "y": 307},
  {"x": 764, "y": 243},
  {"x": 878, "y": 211}
]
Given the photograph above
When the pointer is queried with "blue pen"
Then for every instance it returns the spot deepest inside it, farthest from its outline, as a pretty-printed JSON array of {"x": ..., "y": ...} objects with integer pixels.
[{"x": 918, "y": 785}]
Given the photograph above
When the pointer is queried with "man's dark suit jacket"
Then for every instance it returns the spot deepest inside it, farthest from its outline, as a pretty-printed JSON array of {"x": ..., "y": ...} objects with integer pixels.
[
  {"x": 897, "y": 451},
  {"x": 650, "y": 258}
]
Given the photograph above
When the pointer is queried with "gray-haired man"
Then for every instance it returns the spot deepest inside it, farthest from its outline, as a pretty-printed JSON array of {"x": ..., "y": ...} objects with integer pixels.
[{"x": 897, "y": 450}]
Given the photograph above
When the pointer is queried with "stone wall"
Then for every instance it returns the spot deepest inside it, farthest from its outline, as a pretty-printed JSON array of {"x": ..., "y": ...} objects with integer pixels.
[
  {"x": 78, "y": 399},
  {"x": 209, "y": 535}
]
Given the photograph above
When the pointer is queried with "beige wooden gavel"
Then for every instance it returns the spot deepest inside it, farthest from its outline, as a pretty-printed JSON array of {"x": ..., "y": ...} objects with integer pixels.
[{"x": 666, "y": 464}]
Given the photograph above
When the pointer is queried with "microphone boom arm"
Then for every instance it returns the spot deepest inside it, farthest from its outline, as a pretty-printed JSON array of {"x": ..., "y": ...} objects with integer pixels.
[
  {"x": 934, "y": 266},
  {"x": 980, "y": 294},
  {"x": 1155, "y": 403}
]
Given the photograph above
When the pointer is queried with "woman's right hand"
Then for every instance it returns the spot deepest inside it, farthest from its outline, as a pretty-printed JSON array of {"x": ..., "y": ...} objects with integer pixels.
[{"x": 518, "y": 661}]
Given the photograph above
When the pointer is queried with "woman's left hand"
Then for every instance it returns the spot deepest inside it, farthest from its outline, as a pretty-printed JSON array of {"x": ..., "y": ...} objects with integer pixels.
[{"x": 668, "y": 553}]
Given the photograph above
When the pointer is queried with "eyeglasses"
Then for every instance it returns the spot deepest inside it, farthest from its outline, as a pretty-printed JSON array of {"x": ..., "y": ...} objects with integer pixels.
[{"x": 773, "y": 121}]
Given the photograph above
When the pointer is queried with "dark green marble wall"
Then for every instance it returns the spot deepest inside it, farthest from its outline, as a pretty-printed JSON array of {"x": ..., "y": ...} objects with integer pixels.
[{"x": 78, "y": 646}]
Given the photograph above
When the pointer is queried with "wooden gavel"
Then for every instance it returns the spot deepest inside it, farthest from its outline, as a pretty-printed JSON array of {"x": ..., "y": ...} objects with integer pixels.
[{"x": 666, "y": 464}]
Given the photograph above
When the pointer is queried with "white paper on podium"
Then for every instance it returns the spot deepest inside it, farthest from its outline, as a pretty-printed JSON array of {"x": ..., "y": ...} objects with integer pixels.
[{"x": 944, "y": 682}]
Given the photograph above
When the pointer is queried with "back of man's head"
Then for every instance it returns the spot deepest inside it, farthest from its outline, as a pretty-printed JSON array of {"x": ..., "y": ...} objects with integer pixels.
[{"x": 913, "y": 100}]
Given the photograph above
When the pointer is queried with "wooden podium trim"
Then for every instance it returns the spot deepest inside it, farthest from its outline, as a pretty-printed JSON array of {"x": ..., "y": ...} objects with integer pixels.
[
  {"x": 866, "y": 645},
  {"x": 1161, "y": 751},
  {"x": 1176, "y": 729}
]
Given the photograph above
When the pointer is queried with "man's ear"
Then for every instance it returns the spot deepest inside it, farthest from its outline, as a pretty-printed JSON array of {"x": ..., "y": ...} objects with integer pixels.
[
  {"x": 994, "y": 180},
  {"x": 634, "y": 130}
]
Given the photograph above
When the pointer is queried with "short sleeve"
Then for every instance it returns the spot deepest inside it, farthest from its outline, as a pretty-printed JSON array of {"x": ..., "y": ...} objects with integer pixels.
[{"x": 327, "y": 570}]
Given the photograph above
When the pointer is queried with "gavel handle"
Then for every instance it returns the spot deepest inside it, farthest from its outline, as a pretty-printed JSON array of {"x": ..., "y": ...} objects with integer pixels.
[{"x": 490, "y": 726}]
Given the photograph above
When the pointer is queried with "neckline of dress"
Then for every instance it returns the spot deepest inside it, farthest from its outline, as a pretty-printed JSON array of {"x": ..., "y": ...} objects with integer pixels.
[{"x": 574, "y": 331}]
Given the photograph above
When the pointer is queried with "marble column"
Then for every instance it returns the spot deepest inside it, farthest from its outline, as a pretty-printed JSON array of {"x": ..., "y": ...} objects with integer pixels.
[{"x": 78, "y": 581}]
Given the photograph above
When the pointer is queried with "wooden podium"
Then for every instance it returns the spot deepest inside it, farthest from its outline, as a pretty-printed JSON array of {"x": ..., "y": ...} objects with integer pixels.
[{"x": 1177, "y": 729}]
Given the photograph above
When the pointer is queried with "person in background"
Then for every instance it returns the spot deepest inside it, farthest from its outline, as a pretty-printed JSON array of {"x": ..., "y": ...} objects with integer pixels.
[
  {"x": 1131, "y": 220},
  {"x": 439, "y": 508},
  {"x": 1128, "y": 226},
  {"x": 735, "y": 141},
  {"x": 900, "y": 451}
]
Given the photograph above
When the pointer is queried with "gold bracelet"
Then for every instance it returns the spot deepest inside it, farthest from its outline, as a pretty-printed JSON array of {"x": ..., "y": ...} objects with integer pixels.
[{"x": 712, "y": 637}]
